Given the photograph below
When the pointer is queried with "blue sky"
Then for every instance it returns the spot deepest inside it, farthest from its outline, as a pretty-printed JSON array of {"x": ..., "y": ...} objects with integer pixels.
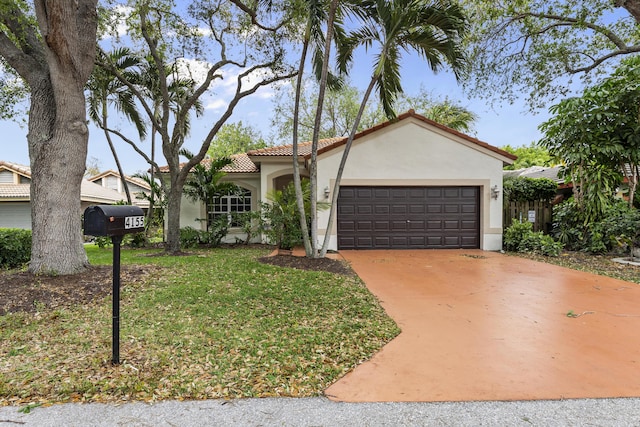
[{"x": 497, "y": 125}]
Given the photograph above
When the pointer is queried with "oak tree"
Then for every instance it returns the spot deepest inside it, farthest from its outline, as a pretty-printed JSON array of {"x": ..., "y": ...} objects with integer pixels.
[{"x": 51, "y": 45}]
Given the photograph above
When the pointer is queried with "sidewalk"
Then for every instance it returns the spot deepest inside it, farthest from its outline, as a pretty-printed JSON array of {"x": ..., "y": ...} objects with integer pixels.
[{"x": 320, "y": 412}]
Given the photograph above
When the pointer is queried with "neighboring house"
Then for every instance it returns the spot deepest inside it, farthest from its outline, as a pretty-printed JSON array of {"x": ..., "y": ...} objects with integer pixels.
[
  {"x": 550, "y": 172},
  {"x": 111, "y": 179},
  {"x": 15, "y": 205},
  {"x": 408, "y": 183}
]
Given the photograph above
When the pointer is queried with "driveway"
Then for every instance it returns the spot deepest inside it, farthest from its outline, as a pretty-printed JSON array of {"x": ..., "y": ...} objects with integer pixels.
[{"x": 485, "y": 326}]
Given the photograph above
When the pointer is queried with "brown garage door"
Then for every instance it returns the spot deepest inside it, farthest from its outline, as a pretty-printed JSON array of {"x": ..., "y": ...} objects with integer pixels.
[{"x": 408, "y": 217}]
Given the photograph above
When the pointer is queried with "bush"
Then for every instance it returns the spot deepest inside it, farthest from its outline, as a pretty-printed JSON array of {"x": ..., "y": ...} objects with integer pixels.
[
  {"x": 102, "y": 241},
  {"x": 192, "y": 238},
  {"x": 137, "y": 240},
  {"x": 189, "y": 237},
  {"x": 520, "y": 237},
  {"x": 15, "y": 247},
  {"x": 526, "y": 189},
  {"x": 217, "y": 230},
  {"x": 617, "y": 231}
]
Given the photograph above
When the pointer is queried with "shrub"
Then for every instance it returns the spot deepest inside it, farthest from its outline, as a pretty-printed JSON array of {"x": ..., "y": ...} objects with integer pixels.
[
  {"x": 15, "y": 247},
  {"x": 137, "y": 240},
  {"x": 189, "y": 237},
  {"x": 526, "y": 189},
  {"x": 217, "y": 230},
  {"x": 618, "y": 230},
  {"x": 520, "y": 237},
  {"x": 102, "y": 241}
]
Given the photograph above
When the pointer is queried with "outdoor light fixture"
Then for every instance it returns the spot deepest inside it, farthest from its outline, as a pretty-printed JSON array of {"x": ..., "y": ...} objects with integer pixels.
[
  {"x": 495, "y": 192},
  {"x": 326, "y": 192}
]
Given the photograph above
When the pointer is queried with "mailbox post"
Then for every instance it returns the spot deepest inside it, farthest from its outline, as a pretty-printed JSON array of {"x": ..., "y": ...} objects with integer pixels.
[{"x": 114, "y": 221}]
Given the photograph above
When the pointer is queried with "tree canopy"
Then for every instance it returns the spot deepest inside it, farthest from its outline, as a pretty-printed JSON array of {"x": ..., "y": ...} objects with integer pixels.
[
  {"x": 529, "y": 155},
  {"x": 234, "y": 138},
  {"x": 537, "y": 46},
  {"x": 209, "y": 47},
  {"x": 597, "y": 136}
]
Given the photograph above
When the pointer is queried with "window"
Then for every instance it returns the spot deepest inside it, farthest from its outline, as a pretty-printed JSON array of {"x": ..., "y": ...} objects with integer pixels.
[{"x": 228, "y": 205}]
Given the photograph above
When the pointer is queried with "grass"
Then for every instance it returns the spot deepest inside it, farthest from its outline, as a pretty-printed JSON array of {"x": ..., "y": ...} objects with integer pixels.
[{"x": 214, "y": 324}]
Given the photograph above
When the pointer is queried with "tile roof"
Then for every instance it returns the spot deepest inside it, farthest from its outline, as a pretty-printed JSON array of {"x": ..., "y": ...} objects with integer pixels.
[
  {"x": 241, "y": 163},
  {"x": 304, "y": 148},
  {"x": 15, "y": 191},
  {"x": 16, "y": 167}
]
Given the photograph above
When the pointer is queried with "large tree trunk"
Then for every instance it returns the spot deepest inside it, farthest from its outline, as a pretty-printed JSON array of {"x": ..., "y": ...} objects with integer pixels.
[
  {"x": 174, "y": 201},
  {"x": 58, "y": 133}
]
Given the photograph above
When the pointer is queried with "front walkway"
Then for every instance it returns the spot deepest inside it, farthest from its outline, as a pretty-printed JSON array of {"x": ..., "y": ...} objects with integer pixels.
[{"x": 484, "y": 326}]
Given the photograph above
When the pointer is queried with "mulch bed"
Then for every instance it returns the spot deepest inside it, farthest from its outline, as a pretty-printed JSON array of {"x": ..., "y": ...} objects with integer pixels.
[
  {"x": 304, "y": 263},
  {"x": 26, "y": 292}
]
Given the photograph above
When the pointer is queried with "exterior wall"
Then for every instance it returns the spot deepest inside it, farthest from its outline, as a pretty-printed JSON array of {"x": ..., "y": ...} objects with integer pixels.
[
  {"x": 412, "y": 153},
  {"x": 15, "y": 215},
  {"x": 190, "y": 210}
]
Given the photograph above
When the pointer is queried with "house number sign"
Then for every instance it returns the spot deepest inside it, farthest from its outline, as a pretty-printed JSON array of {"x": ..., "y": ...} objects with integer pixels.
[{"x": 133, "y": 222}]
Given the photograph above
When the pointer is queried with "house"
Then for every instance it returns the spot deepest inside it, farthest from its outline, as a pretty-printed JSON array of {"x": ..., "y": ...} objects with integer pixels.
[
  {"x": 111, "y": 179},
  {"x": 15, "y": 205},
  {"x": 408, "y": 183}
]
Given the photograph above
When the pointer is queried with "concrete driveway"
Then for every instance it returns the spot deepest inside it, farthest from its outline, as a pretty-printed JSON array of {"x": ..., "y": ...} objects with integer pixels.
[{"x": 484, "y": 326}]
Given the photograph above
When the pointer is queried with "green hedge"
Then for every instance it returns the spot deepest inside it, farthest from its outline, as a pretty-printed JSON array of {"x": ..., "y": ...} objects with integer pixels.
[{"x": 15, "y": 247}]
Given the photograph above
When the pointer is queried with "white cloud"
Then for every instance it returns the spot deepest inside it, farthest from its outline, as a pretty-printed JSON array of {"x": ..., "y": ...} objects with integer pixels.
[{"x": 216, "y": 104}]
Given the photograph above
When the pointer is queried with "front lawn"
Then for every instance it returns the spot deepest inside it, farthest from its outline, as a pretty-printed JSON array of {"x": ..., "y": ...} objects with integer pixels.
[{"x": 213, "y": 324}]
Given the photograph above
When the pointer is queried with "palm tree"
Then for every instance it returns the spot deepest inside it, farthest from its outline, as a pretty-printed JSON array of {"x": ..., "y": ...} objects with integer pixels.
[
  {"x": 451, "y": 115},
  {"x": 431, "y": 28},
  {"x": 320, "y": 46},
  {"x": 105, "y": 90},
  {"x": 204, "y": 183}
]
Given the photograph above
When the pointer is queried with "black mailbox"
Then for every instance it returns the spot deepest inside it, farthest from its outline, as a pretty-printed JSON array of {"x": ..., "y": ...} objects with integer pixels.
[{"x": 113, "y": 220}]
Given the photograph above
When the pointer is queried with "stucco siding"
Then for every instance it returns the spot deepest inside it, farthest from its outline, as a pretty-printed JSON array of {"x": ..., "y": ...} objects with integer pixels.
[{"x": 411, "y": 153}]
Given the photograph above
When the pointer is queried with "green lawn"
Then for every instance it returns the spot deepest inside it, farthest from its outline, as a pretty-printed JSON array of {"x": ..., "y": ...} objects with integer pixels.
[{"x": 214, "y": 324}]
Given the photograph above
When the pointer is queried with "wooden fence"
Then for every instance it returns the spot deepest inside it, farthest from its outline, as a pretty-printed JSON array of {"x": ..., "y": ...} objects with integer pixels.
[{"x": 537, "y": 212}]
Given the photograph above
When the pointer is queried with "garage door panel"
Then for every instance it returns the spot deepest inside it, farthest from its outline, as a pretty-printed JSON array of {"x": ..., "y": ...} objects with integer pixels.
[
  {"x": 399, "y": 225},
  {"x": 346, "y": 209},
  {"x": 451, "y": 225},
  {"x": 434, "y": 225},
  {"x": 382, "y": 242},
  {"x": 468, "y": 225},
  {"x": 346, "y": 225},
  {"x": 408, "y": 217},
  {"x": 364, "y": 242},
  {"x": 416, "y": 225},
  {"x": 434, "y": 193},
  {"x": 364, "y": 226},
  {"x": 468, "y": 208},
  {"x": 382, "y": 209},
  {"x": 382, "y": 193},
  {"x": 364, "y": 193},
  {"x": 451, "y": 193},
  {"x": 381, "y": 225}
]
